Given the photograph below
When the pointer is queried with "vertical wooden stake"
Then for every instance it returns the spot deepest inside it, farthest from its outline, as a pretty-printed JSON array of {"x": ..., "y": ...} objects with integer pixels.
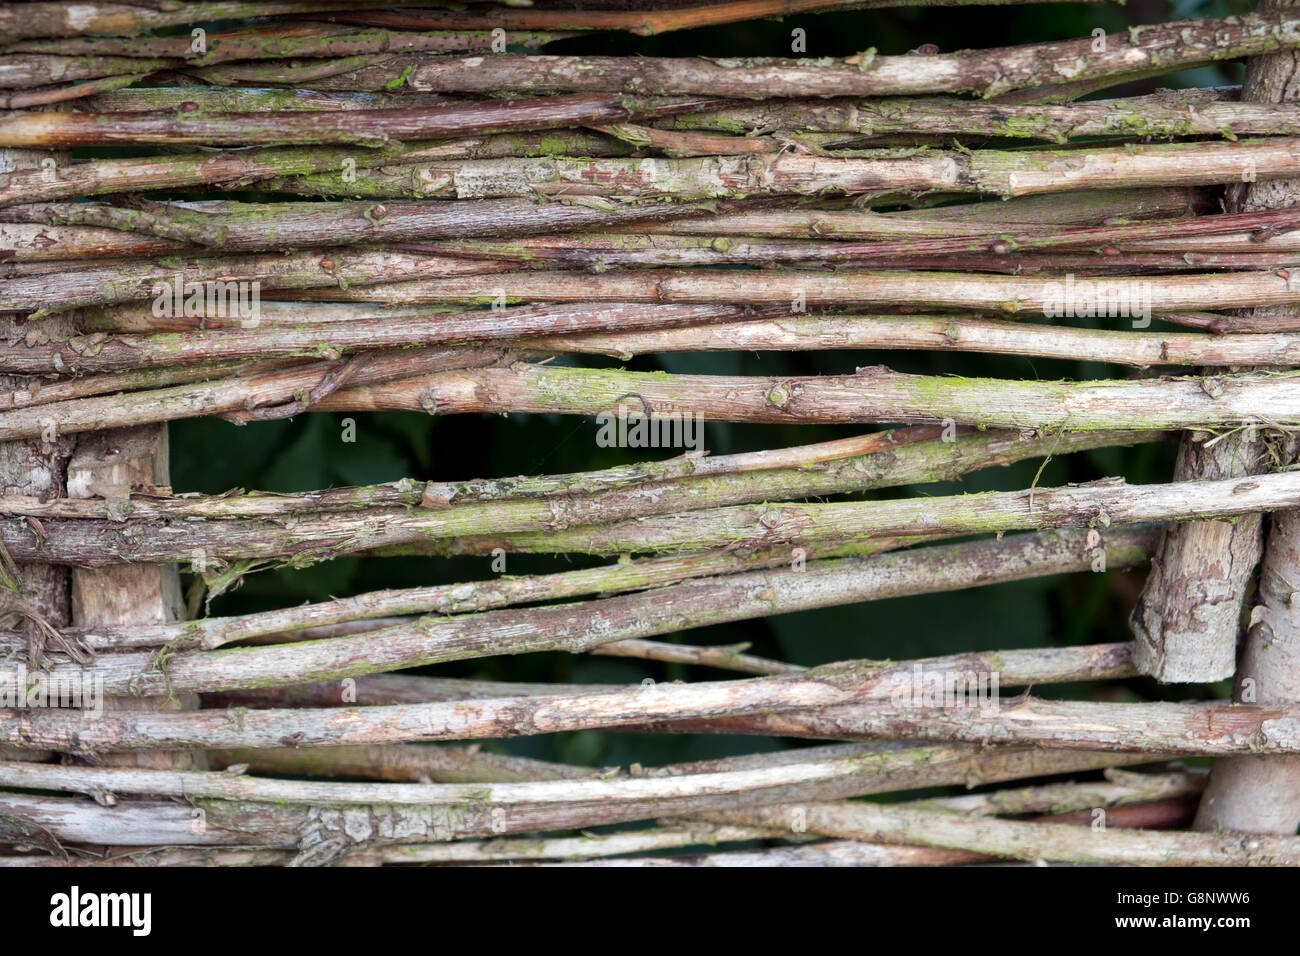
[
  {"x": 1262, "y": 794},
  {"x": 34, "y": 467},
  {"x": 109, "y": 464}
]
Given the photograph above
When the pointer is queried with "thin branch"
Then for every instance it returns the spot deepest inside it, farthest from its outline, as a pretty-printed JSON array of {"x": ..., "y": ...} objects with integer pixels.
[
  {"x": 283, "y": 41},
  {"x": 692, "y": 482},
  {"x": 48, "y": 95},
  {"x": 364, "y": 329},
  {"x": 583, "y": 626},
  {"x": 814, "y": 288},
  {"x": 234, "y": 169},
  {"x": 638, "y": 21},
  {"x": 825, "y": 468},
  {"x": 812, "y": 235},
  {"x": 585, "y": 847},
  {"x": 1166, "y": 48},
  {"x": 41, "y": 19},
  {"x": 786, "y": 706},
  {"x": 1120, "y": 788},
  {"x": 819, "y": 773},
  {"x": 873, "y": 395},
  {"x": 99, "y": 284},
  {"x": 365, "y": 127},
  {"x": 235, "y": 395},
  {"x": 1042, "y": 841},
  {"x": 989, "y": 171},
  {"x": 1165, "y": 114},
  {"x": 937, "y": 333},
  {"x": 544, "y": 527}
]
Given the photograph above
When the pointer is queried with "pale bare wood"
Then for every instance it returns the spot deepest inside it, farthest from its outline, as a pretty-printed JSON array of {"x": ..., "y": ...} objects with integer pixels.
[{"x": 109, "y": 465}]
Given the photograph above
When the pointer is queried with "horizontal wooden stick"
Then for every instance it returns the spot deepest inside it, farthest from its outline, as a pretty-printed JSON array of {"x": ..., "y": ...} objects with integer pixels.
[
  {"x": 580, "y": 627},
  {"x": 401, "y": 688},
  {"x": 859, "y": 682},
  {"x": 48, "y": 95},
  {"x": 911, "y": 456},
  {"x": 942, "y": 333},
  {"x": 1119, "y": 788},
  {"x": 835, "y": 772},
  {"x": 828, "y": 236},
  {"x": 908, "y": 455},
  {"x": 43, "y": 19},
  {"x": 1165, "y": 48},
  {"x": 364, "y": 127},
  {"x": 1147, "y": 728},
  {"x": 283, "y": 41},
  {"x": 47, "y": 293},
  {"x": 1043, "y": 840},
  {"x": 997, "y": 172},
  {"x": 18, "y": 71},
  {"x": 50, "y": 250},
  {"x": 54, "y": 231},
  {"x": 1122, "y": 297},
  {"x": 644, "y": 22},
  {"x": 246, "y": 392},
  {"x": 1161, "y": 814},
  {"x": 230, "y": 169},
  {"x": 1118, "y": 795},
  {"x": 216, "y": 99},
  {"x": 689, "y": 482},
  {"x": 872, "y": 395},
  {"x": 1165, "y": 114},
  {"x": 453, "y": 764},
  {"x": 363, "y": 329},
  {"x": 579, "y": 789},
  {"x": 875, "y": 235},
  {"x": 515, "y": 850},
  {"x": 1040, "y": 214},
  {"x": 649, "y": 531},
  {"x": 628, "y": 330}
]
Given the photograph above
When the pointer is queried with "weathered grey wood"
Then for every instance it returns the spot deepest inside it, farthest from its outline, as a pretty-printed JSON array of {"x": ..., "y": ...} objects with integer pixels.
[
  {"x": 1261, "y": 794},
  {"x": 1186, "y": 620}
]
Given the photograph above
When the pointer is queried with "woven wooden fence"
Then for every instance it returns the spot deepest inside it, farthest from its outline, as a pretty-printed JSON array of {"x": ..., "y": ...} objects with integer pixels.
[{"x": 440, "y": 212}]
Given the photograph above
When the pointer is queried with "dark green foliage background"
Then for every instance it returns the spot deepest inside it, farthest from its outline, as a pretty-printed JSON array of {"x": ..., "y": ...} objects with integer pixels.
[{"x": 210, "y": 455}]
